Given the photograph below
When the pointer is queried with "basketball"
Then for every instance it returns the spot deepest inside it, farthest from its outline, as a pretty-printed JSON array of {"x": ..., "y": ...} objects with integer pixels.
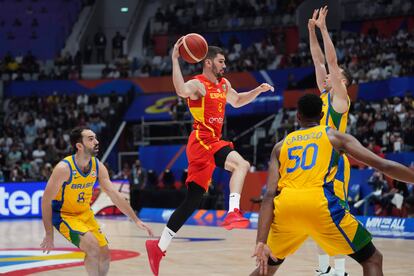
[{"x": 193, "y": 48}]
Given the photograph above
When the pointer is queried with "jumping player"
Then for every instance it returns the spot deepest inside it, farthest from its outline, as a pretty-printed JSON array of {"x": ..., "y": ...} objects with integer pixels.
[
  {"x": 336, "y": 103},
  {"x": 67, "y": 197},
  {"x": 207, "y": 95},
  {"x": 302, "y": 164}
]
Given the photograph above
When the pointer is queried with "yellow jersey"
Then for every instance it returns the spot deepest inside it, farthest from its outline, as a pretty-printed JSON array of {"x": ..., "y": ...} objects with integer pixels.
[
  {"x": 306, "y": 159},
  {"x": 331, "y": 118},
  {"x": 74, "y": 196}
]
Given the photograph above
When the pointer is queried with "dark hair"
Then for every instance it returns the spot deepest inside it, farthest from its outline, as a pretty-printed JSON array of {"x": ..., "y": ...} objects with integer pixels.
[
  {"x": 347, "y": 76},
  {"x": 310, "y": 106},
  {"x": 213, "y": 51},
  {"x": 76, "y": 136}
]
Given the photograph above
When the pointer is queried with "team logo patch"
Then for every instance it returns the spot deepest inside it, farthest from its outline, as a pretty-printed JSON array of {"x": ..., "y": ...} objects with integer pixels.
[
  {"x": 25, "y": 261},
  {"x": 224, "y": 87},
  {"x": 93, "y": 173}
]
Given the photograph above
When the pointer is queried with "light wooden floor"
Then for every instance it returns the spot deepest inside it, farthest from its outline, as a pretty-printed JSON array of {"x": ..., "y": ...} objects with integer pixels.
[{"x": 229, "y": 256}]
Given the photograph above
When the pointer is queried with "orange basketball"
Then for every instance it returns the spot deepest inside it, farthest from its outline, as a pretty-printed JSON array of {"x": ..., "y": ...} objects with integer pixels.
[{"x": 193, "y": 48}]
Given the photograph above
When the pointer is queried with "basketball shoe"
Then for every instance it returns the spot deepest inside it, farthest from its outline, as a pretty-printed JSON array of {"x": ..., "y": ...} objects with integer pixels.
[
  {"x": 330, "y": 271},
  {"x": 235, "y": 219},
  {"x": 154, "y": 255}
]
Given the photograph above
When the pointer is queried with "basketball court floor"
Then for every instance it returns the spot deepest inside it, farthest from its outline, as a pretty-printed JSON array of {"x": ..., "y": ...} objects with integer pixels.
[{"x": 198, "y": 250}]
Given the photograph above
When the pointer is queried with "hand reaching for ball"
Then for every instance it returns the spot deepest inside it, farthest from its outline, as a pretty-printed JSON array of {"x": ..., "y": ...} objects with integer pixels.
[
  {"x": 175, "y": 53},
  {"x": 192, "y": 48}
]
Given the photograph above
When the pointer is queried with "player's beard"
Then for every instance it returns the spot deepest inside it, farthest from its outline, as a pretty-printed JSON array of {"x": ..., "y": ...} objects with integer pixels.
[
  {"x": 92, "y": 151},
  {"x": 217, "y": 73}
]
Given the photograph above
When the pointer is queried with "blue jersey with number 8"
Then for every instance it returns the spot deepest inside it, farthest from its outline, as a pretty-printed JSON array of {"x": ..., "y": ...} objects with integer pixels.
[{"x": 307, "y": 159}]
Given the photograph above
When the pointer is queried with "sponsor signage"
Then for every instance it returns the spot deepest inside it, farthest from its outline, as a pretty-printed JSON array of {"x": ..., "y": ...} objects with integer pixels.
[{"x": 21, "y": 199}]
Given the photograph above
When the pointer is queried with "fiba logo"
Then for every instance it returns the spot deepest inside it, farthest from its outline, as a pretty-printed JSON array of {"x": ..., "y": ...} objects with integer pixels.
[{"x": 213, "y": 120}]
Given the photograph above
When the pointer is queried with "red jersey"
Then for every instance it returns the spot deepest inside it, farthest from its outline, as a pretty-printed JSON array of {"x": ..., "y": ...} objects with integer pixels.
[
  {"x": 204, "y": 141},
  {"x": 208, "y": 111}
]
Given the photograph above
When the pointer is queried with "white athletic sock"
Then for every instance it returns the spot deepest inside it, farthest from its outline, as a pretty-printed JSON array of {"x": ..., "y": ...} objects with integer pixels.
[
  {"x": 323, "y": 262},
  {"x": 166, "y": 238},
  {"x": 234, "y": 201},
  {"x": 340, "y": 266}
]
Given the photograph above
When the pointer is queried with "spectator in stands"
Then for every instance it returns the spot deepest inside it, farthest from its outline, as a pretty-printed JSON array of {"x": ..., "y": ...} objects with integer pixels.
[
  {"x": 27, "y": 168},
  {"x": 137, "y": 182},
  {"x": 168, "y": 179},
  {"x": 117, "y": 45},
  {"x": 106, "y": 71},
  {"x": 125, "y": 173},
  {"x": 87, "y": 51},
  {"x": 152, "y": 180},
  {"x": 178, "y": 109},
  {"x": 96, "y": 124},
  {"x": 14, "y": 156},
  {"x": 39, "y": 154},
  {"x": 46, "y": 171},
  {"x": 16, "y": 174},
  {"x": 100, "y": 46}
]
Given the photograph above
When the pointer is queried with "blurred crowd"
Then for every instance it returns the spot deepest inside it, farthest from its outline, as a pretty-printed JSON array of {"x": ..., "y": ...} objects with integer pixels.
[
  {"x": 195, "y": 15},
  {"x": 34, "y": 132}
]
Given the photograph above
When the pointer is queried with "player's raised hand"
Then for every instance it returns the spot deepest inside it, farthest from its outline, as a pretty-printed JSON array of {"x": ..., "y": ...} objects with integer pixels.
[
  {"x": 265, "y": 87},
  {"x": 47, "y": 244},
  {"x": 312, "y": 21},
  {"x": 262, "y": 253},
  {"x": 321, "y": 21},
  {"x": 175, "y": 53},
  {"x": 145, "y": 227}
]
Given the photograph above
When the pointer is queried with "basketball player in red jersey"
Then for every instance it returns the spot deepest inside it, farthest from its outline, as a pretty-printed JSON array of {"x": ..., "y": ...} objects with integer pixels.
[{"x": 207, "y": 95}]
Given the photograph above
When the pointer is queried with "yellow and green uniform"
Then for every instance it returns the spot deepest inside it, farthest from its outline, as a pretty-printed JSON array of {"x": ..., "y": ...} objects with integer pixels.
[
  {"x": 337, "y": 121},
  {"x": 307, "y": 205},
  {"x": 72, "y": 215}
]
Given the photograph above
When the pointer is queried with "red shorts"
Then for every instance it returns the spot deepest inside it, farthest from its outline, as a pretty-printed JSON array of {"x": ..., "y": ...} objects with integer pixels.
[{"x": 201, "y": 148}]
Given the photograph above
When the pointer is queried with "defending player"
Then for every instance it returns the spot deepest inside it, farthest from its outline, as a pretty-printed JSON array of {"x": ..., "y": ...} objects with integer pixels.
[
  {"x": 302, "y": 164},
  {"x": 336, "y": 103},
  {"x": 67, "y": 197}
]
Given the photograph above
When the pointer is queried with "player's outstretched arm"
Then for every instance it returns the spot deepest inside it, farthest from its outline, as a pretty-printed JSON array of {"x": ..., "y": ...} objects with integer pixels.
[
  {"x": 119, "y": 201},
  {"x": 241, "y": 99},
  {"x": 60, "y": 174},
  {"x": 262, "y": 252},
  {"x": 348, "y": 144},
  {"x": 183, "y": 89},
  {"x": 316, "y": 52},
  {"x": 340, "y": 103}
]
